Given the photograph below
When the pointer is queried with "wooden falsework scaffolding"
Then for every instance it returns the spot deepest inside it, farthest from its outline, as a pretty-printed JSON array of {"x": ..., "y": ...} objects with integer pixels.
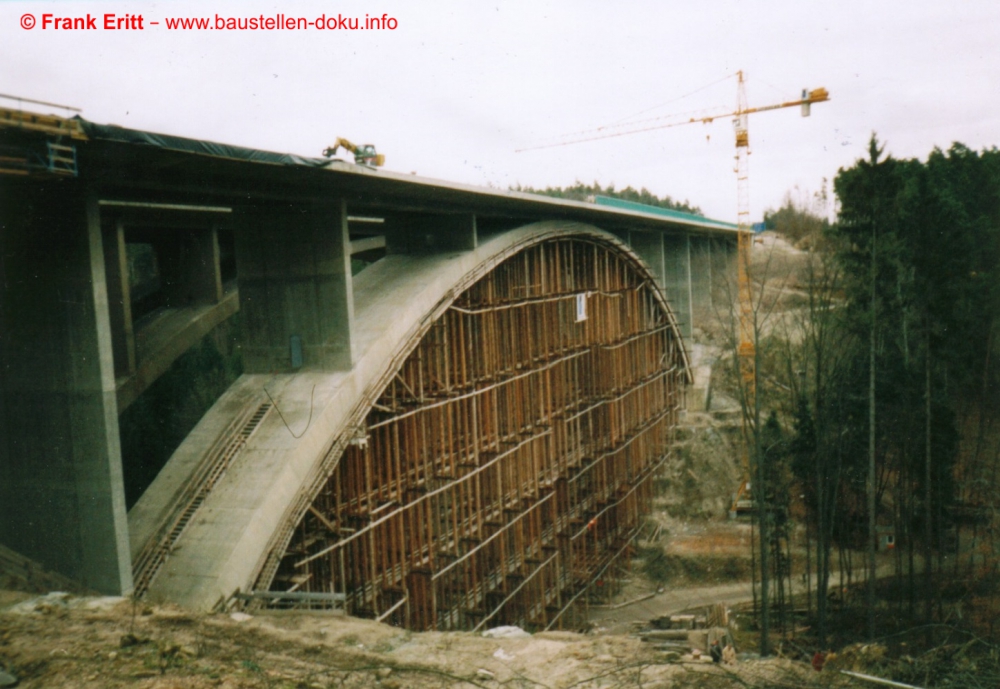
[{"x": 506, "y": 468}]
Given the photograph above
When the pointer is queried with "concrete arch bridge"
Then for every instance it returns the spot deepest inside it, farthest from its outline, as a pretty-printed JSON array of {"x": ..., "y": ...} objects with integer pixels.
[{"x": 463, "y": 433}]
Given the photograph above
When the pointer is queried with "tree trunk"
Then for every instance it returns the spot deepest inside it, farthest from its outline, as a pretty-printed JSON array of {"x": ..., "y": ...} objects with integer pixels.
[
  {"x": 822, "y": 550},
  {"x": 764, "y": 541},
  {"x": 928, "y": 512},
  {"x": 753, "y": 559},
  {"x": 791, "y": 596},
  {"x": 809, "y": 599},
  {"x": 871, "y": 456},
  {"x": 760, "y": 504}
]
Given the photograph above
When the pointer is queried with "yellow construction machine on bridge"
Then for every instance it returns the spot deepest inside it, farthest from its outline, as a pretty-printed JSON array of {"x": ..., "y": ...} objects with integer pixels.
[{"x": 363, "y": 155}]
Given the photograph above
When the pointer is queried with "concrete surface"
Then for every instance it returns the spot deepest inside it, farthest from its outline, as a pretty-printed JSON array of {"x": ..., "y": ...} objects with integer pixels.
[{"x": 62, "y": 499}]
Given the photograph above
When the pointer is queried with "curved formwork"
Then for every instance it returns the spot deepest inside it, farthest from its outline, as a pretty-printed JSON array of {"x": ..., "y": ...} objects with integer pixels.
[
  {"x": 487, "y": 458},
  {"x": 507, "y": 464}
]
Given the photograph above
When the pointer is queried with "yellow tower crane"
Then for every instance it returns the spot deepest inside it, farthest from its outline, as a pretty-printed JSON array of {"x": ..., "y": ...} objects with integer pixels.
[{"x": 747, "y": 348}]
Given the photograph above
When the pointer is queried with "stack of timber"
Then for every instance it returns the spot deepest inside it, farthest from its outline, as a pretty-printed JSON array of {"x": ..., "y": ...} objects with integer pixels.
[{"x": 690, "y": 631}]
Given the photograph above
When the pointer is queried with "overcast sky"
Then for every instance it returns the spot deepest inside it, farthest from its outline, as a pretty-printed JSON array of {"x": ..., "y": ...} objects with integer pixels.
[{"x": 459, "y": 85}]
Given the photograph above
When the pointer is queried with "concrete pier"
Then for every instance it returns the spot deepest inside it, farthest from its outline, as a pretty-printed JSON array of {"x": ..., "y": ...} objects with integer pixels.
[
  {"x": 295, "y": 287},
  {"x": 62, "y": 499}
]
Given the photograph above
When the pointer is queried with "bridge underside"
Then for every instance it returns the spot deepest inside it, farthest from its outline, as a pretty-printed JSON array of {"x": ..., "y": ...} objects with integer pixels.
[{"x": 507, "y": 465}]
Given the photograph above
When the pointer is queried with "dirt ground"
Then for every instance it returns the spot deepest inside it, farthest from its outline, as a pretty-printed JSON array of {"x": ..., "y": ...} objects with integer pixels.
[{"x": 65, "y": 641}]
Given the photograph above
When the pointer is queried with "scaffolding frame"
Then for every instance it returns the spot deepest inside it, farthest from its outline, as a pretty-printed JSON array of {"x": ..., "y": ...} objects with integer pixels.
[{"x": 503, "y": 473}]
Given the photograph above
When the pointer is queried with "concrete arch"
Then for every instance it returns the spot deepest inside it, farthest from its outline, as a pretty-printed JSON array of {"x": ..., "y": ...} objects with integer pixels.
[{"x": 294, "y": 428}]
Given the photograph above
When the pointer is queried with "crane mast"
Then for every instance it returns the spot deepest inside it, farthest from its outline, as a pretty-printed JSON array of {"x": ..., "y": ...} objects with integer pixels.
[{"x": 747, "y": 349}]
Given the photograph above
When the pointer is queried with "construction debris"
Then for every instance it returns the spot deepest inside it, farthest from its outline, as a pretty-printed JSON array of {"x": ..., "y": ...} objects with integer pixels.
[{"x": 507, "y": 632}]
